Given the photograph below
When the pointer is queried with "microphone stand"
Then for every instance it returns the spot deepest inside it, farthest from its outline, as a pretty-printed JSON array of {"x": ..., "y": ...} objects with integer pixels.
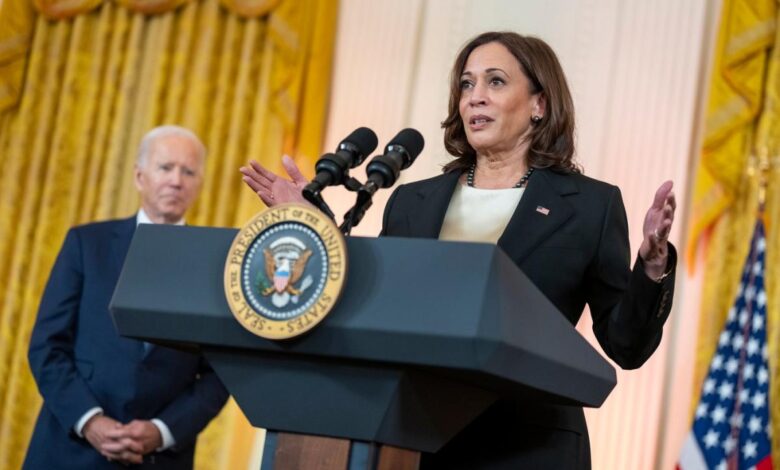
[
  {"x": 316, "y": 200},
  {"x": 364, "y": 200},
  {"x": 354, "y": 215}
]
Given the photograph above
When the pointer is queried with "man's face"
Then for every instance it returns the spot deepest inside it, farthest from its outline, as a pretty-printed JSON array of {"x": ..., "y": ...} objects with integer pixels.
[{"x": 170, "y": 178}]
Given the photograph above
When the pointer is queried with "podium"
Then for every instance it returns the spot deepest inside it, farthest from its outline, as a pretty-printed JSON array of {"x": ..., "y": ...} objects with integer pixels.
[{"x": 426, "y": 336}]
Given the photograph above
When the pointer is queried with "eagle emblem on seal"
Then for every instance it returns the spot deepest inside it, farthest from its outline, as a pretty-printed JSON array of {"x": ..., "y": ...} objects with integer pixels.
[{"x": 285, "y": 263}]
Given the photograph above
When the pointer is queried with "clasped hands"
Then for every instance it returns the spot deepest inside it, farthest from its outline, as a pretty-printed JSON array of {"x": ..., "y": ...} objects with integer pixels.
[{"x": 124, "y": 443}]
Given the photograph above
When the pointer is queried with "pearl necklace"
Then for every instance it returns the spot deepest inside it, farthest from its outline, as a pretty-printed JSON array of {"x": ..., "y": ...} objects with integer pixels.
[{"x": 520, "y": 184}]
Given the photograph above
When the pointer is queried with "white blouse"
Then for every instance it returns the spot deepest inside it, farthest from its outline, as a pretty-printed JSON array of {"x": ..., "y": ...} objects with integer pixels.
[{"x": 479, "y": 215}]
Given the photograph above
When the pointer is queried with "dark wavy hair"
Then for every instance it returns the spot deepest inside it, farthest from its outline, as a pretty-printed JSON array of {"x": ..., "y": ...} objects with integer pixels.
[{"x": 551, "y": 139}]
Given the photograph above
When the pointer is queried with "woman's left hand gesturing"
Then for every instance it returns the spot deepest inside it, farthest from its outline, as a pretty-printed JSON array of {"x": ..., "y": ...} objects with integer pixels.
[{"x": 658, "y": 222}]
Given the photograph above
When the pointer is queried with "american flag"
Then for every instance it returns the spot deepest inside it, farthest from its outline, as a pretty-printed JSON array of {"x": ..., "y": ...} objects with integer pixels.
[{"x": 731, "y": 428}]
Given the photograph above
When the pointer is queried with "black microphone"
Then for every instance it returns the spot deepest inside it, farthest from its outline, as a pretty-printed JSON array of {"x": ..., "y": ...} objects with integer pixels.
[
  {"x": 332, "y": 168},
  {"x": 399, "y": 154},
  {"x": 383, "y": 171}
]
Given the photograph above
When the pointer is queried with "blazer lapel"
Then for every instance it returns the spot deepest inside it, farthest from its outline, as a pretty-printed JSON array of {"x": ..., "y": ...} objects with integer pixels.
[
  {"x": 120, "y": 243},
  {"x": 541, "y": 210},
  {"x": 427, "y": 218}
]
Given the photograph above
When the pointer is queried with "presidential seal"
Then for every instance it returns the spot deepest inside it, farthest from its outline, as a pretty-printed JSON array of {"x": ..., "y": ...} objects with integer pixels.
[{"x": 285, "y": 271}]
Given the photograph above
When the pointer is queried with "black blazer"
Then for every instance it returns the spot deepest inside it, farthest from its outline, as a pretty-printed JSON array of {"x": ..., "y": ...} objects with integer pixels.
[{"x": 577, "y": 253}]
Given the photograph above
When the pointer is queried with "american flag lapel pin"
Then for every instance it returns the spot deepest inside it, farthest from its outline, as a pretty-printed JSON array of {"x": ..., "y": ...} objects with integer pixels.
[{"x": 542, "y": 210}]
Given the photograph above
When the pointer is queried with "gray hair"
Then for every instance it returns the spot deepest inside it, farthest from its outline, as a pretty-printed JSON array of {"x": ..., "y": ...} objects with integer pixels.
[{"x": 165, "y": 131}]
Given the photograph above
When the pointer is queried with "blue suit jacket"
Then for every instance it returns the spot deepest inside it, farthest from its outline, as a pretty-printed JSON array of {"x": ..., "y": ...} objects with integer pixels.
[{"x": 80, "y": 362}]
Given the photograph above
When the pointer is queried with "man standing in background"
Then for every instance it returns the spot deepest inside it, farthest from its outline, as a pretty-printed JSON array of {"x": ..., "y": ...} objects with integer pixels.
[{"x": 110, "y": 401}]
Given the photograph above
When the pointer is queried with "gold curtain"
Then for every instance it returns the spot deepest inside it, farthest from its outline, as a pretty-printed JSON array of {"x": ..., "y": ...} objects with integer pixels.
[
  {"x": 742, "y": 136},
  {"x": 736, "y": 93},
  {"x": 77, "y": 94}
]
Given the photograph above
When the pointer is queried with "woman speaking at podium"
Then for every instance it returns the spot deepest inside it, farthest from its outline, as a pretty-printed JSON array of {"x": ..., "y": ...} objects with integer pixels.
[{"x": 513, "y": 181}]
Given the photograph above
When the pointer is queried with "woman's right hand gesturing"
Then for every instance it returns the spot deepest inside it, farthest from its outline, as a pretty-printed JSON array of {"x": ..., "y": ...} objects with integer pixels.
[{"x": 272, "y": 188}]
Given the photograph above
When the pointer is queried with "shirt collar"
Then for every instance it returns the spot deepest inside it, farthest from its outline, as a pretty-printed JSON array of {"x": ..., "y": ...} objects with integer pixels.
[{"x": 143, "y": 218}]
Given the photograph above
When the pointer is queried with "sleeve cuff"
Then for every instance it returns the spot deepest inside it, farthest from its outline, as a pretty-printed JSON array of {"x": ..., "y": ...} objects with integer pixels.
[
  {"x": 79, "y": 427},
  {"x": 671, "y": 266},
  {"x": 167, "y": 438}
]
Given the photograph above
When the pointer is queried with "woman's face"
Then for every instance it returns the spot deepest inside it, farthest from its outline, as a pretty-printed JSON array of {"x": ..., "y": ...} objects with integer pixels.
[{"x": 496, "y": 103}]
